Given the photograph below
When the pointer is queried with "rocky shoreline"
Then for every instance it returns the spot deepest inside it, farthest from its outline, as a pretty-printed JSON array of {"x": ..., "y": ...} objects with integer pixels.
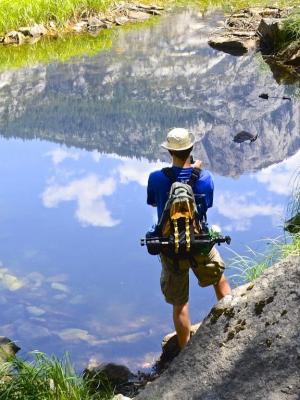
[
  {"x": 260, "y": 29},
  {"x": 249, "y": 29},
  {"x": 90, "y": 23}
]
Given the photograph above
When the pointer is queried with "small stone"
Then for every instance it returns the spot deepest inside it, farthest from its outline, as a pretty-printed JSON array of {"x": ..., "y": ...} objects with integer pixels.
[
  {"x": 96, "y": 23},
  {"x": 34, "y": 31},
  {"x": 121, "y": 20},
  {"x": 138, "y": 15},
  {"x": 120, "y": 397},
  {"x": 80, "y": 26},
  {"x": 14, "y": 37}
]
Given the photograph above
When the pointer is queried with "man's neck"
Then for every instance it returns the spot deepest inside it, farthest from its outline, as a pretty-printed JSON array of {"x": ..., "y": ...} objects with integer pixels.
[{"x": 176, "y": 162}]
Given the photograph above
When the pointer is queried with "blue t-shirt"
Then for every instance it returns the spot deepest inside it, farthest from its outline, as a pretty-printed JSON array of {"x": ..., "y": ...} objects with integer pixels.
[{"x": 159, "y": 186}]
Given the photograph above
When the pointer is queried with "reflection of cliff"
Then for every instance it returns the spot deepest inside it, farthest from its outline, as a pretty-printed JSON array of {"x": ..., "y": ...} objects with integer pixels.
[{"x": 164, "y": 76}]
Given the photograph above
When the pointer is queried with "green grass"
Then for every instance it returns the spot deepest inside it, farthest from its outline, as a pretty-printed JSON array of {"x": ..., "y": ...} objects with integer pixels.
[
  {"x": 14, "y": 14},
  {"x": 249, "y": 267},
  {"x": 46, "y": 378},
  {"x": 291, "y": 27}
]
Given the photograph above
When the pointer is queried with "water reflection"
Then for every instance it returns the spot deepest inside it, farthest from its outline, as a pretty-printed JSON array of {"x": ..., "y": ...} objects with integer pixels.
[
  {"x": 86, "y": 286},
  {"x": 88, "y": 192},
  {"x": 74, "y": 277},
  {"x": 123, "y": 101}
]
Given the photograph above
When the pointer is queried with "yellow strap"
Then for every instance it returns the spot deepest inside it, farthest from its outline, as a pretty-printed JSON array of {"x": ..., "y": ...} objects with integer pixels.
[
  {"x": 187, "y": 235},
  {"x": 176, "y": 236}
]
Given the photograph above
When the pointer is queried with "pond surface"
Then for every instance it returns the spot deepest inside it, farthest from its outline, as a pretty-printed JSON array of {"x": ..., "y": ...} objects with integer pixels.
[{"x": 78, "y": 141}]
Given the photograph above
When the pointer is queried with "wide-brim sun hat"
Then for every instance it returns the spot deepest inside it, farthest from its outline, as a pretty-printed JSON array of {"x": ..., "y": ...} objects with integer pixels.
[{"x": 179, "y": 139}]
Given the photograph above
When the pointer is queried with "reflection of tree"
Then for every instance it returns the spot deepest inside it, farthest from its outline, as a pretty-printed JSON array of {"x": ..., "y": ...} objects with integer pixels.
[{"x": 124, "y": 103}]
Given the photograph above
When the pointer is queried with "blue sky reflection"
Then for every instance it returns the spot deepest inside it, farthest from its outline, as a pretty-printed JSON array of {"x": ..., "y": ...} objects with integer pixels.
[{"x": 70, "y": 227}]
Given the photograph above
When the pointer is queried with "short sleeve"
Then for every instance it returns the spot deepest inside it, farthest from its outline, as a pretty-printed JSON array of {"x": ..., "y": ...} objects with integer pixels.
[
  {"x": 150, "y": 192},
  {"x": 210, "y": 191}
]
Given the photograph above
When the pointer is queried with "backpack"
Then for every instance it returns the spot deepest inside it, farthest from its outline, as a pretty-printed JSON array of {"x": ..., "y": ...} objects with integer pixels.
[{"x": 181, "y": 220}]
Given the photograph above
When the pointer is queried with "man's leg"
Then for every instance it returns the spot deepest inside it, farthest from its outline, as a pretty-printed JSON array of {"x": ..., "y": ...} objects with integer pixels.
[
  {"x": 222, "y": 288},
  {"x": 182, "y": 323}
]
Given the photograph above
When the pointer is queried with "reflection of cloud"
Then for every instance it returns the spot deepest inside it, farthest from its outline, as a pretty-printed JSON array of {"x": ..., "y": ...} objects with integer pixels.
[
  {"x": 131, "y": 171},
  {"x": 36, "y": 311},
  {"x": 96, "y": 156},
  {"x": 60, "y": 286},
  {"x": 59, "y": 155},
  {"x": 278, "y": 177},
  {"x": 89, "y": 193},
  {"x": 240, "y": 210},
  {"x": 9, "y": 281},
  {"x": 76, "y": 335}
]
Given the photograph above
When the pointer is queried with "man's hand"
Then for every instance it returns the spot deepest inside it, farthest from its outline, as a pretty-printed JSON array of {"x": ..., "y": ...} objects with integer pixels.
[{"x": 197, "y": 164}]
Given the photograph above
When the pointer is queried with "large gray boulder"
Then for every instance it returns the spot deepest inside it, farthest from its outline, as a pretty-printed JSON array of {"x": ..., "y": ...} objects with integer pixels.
[{"x": 248, "y": 347}]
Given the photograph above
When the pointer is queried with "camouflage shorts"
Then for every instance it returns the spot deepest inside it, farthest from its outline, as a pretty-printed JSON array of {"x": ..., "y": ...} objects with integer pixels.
[{"x": 174, "y": 281}]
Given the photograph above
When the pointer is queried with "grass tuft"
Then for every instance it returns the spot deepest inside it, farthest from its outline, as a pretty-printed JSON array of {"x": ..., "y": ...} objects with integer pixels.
[
  {"x": 249, "y": 267},
  {"x": 291, "y": 27},
  {"x": 45, "y": 378}
]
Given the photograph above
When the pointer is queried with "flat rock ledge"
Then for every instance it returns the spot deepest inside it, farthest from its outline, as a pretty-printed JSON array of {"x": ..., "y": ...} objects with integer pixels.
[
  {"x": 248, "y": 347},
  {"x": 91, "y": 23}
]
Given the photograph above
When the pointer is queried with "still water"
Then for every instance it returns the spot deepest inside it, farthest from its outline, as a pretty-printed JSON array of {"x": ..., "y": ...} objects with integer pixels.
[{"x": 78, "y": 141}]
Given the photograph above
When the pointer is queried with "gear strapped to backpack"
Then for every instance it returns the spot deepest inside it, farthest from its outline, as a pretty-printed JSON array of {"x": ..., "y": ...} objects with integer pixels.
[
  {"x": 182, "y": 230},
  {"x": 180, "y": 220}
]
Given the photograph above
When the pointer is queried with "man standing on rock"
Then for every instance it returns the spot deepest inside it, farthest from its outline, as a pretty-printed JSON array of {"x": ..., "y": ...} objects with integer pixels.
[{"x": 175, "y": 282}]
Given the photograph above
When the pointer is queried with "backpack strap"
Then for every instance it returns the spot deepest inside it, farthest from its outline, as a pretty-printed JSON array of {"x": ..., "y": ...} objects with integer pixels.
[
  {"x": 168, "y": 171},
  {"x": 194, "y": 176}
]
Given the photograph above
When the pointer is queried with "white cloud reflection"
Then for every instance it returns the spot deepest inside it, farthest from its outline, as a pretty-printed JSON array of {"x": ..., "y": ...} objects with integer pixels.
[
  {"x": 240, "y": 209},
  {"x": 279, "y": 177},
  {"x": 59, "y": 154},
  {"x": 9, "y": 281},
  {"x": 88, "y": 192},
  {"x": 132, "y": 170},
  {"x": 77, "y": 335}
]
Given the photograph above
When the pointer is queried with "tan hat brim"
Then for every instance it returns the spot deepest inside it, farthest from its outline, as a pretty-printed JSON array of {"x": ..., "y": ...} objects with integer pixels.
[
  {"x": 168, "y": 147},
  {"x": 186, "y": 146}
]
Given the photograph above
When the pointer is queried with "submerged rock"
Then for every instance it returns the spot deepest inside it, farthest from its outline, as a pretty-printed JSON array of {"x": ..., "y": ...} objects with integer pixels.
[
  {"x": 247, "y": 340},
  {"x": 244, "y": 136}
]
